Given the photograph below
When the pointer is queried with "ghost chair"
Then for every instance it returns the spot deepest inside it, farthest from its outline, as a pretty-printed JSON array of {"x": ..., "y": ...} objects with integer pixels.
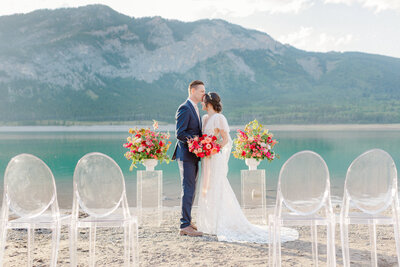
[
  {"x": 30, "y": 194},
  {"x": 303, "y": 199},
  {"x": 370, "y": 189},
  {"x": 99, "y": 191}
]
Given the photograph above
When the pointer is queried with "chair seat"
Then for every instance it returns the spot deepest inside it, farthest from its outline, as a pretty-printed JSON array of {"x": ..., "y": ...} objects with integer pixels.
[
  {"x": 42, "y": 221},
  {"x": 292, "y": 219},
  {"x": 114, "y": 220},
  {"x": 364, "y": 218}
]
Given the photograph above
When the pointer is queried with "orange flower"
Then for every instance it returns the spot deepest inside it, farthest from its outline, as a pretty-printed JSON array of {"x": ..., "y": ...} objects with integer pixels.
[{"x": 273, "y": 143}]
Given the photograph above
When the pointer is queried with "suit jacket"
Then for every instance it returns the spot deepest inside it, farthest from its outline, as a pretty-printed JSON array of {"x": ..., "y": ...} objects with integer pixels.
[{"x": 188, "y": 125}]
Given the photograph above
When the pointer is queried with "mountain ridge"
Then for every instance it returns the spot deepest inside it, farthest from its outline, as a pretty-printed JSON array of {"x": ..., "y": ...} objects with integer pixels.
[{"x": 93, "y": 63}]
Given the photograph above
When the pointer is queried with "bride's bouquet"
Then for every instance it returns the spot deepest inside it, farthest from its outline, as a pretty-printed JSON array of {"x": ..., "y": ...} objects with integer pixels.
[
  {"x": 146, "y": 144},
  {"x": 254, "y": 142},
  {"x": 204, "y": 146}
]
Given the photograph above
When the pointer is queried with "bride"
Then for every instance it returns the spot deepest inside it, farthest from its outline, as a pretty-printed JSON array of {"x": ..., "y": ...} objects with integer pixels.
[{"x": 219, "y": 212}]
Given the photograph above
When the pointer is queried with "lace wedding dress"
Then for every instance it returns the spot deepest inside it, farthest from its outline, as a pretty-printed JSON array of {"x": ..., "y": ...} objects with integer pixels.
[{"x": 219, "y": 212}]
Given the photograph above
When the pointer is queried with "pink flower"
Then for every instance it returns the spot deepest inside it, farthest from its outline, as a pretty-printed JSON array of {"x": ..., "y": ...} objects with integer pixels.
[{"x": 155, "y": 124}]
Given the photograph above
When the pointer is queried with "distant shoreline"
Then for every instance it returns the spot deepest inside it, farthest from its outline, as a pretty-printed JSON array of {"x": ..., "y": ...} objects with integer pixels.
[{"x": 171, "y": 127}]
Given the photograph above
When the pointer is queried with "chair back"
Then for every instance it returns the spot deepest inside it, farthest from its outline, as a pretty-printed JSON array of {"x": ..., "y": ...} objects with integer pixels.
[
  {"x": 304, "y": 183},
  {"x": 371, "y": 181},
  {"x": 29, "y": 186},
  {"x": 99, "y": 184}
]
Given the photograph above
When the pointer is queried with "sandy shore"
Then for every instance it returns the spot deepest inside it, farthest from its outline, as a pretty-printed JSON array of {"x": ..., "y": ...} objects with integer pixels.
[{"x": 162, "y": 246}]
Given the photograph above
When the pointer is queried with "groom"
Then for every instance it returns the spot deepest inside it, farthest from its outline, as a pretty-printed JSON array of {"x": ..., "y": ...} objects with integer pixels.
[{"x": 188, "y": 125}]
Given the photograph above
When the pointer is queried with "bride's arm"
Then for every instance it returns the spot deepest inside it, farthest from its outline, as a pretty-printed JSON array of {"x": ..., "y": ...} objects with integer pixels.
[{"x": 224, "y": 135}]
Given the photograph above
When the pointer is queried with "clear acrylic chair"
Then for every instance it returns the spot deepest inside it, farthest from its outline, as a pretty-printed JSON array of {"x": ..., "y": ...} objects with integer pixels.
[
  {"x": 371, "y": 189},
  {"x": 30, "y": 193},
  {"x": 303, "y": 199},
  {"x": 99, "y": 190}
]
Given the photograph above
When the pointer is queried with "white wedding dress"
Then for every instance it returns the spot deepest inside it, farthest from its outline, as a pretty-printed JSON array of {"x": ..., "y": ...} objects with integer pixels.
[{"x": 219, "y": 212}]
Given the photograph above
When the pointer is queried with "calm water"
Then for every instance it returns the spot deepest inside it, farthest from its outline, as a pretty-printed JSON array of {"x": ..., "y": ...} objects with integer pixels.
[{"x": 62, "y": 150}]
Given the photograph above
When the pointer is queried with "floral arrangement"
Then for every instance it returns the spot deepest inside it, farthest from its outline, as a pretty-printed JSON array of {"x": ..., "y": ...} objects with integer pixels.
[
  {"x": 146, "y": 144},
  {"x": 204, "y": 146},
  {"x": 254, "y": 142}
]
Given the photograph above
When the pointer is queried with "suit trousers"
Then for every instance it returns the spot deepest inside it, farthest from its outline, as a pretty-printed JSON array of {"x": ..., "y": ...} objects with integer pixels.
[{"x": 189, "y": 174}]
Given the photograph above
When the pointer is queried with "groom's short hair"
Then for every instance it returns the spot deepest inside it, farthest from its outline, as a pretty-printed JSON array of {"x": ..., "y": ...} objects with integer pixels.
[{"x": 194, "y": 84}]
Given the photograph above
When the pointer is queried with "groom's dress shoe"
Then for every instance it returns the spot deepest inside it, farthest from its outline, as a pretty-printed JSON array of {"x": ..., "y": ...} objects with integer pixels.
[
  {"x": 190, "y": 232},
  {"x": 193, "y": 226}
]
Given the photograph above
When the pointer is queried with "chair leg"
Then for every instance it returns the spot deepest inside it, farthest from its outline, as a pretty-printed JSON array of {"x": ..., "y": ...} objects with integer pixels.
[
  {"x": 331, "y": 251},
  {"x": 92, "y": 246},
  {"x": 278, "y": 244},
  {"x": 372, "y": 238},
  {"x": 127, "y": 239},
  {"x": 3, "y": 240},
  {"x": 56, "y": 232},
  {"x": 314, "y": 241},
  {"x": 31, "y": 244},
  {"x": 344, "y": 234},
  {"x": 397, "y": 237},
  {"x": 270, "y": 246},
  {"x": 73, "y": 240},
  {"x": 135, "y": 243}
]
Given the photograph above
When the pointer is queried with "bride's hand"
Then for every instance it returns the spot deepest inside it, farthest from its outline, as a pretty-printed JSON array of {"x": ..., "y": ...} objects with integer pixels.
[{"x": 204, "y": 192}]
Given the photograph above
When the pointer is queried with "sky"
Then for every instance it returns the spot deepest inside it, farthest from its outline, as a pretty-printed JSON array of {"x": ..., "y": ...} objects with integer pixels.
[{"x": 371, "y": 26}]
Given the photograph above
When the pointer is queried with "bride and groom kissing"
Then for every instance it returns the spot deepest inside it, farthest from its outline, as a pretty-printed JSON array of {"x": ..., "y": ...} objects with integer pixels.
[{"x": 219, "y": 212}]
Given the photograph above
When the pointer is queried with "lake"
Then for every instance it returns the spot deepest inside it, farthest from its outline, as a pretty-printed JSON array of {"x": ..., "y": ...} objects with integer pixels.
[{"x": 61, "y": 148}]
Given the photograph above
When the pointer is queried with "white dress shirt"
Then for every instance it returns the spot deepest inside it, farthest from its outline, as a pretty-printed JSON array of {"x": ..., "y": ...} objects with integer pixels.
[{"x": 195, "y": 108}]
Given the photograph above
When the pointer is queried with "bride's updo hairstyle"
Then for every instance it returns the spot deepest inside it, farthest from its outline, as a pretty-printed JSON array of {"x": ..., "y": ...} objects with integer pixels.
[{"x": 214, "y": 100}]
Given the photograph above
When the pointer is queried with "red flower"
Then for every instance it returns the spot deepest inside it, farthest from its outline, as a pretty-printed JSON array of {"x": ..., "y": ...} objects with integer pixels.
[
  {"x": 195, "y": 144},
  {"x": 243, "y": 134},
  {"x": 243, "y": 153},
  {"x": 158, "y": 151},
  {"x": 214, "y": 138},
  {"x": 201, "y": 155},
  {"x": 208, "y": 153},
  {"x": 127, "y": 145},
  {"x": 161, "y": 144}
]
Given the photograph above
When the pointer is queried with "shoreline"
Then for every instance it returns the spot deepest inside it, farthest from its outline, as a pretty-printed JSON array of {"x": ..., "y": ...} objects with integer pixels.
[{"x": 171, "y": 127}]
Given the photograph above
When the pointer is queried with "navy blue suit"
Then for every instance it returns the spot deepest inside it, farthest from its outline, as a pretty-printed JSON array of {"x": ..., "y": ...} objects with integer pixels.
[{"x": 188, "y": 125}]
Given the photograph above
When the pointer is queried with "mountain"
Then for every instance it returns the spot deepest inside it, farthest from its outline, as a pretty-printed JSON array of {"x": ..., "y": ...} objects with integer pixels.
[{"x": 94, "y": 64}]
